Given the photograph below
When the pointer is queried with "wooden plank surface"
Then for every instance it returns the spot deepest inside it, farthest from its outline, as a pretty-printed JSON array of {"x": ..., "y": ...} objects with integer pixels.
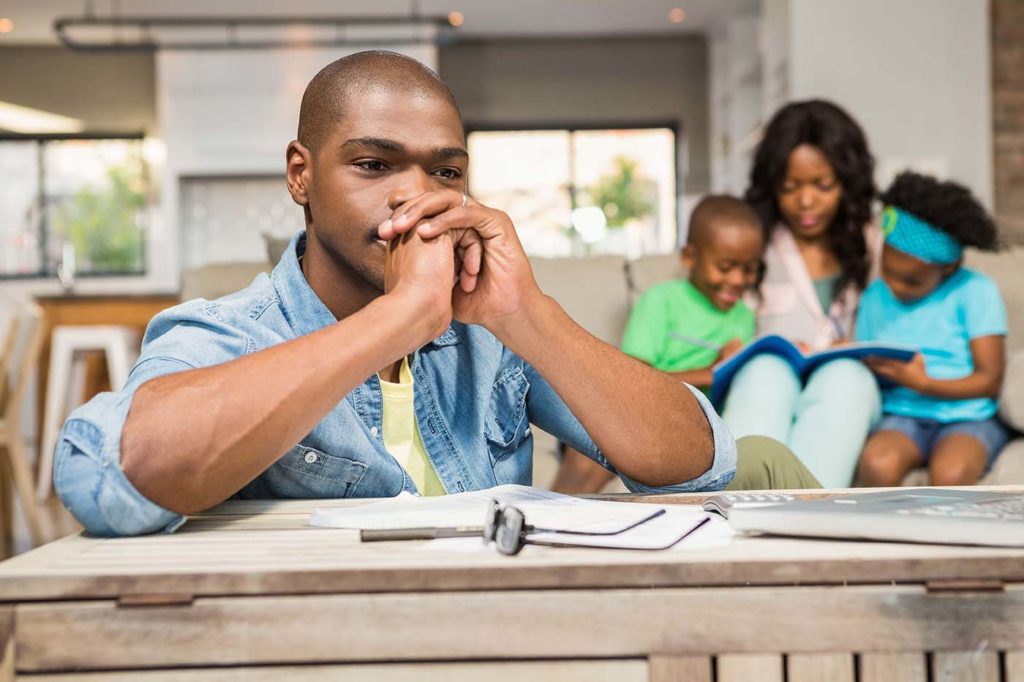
[
  {"x": 524, "y": 624},
  {"x": 492, "y": 671},
  {"x": 893, "y": 667},
  {"x": 815, "y": 667},
  {"x": 966, "y": 666},
  {"x": 7, "y": 666},
  {"x": 1014, "y": 665},
  {"x": 749, "y": 667},
  {"x": 7, "y": 661},
  {"x": 246, "y": 553},
  {"x": 662, "y": 668}
]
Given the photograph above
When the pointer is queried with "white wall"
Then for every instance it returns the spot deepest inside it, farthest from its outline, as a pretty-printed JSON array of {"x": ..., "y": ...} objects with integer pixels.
[
  {"x": 915, "y": 73},
  {"x": 736, "y": 101},
  {"x": 230, "y": 113}
]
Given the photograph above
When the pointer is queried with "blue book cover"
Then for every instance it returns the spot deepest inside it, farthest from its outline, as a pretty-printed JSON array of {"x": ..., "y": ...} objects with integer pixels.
[{"x": 802, "y": 364}]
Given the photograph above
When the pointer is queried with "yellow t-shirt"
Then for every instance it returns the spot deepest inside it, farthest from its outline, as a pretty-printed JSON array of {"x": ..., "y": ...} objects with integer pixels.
[{"x": 402, "y": 436}]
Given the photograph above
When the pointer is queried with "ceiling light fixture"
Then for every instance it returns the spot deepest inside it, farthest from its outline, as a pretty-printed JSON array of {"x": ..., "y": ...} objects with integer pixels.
[
  {"x": 90, "y": 33},
  {"x": 455, "y": 19},
  {"x": 6, "y": 25},
  {"x": 677, "y": 15},
  {"x": 19, "y": 119}
]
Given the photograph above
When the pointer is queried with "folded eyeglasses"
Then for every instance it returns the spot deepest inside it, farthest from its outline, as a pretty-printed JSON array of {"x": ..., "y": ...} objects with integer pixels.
[{"x": 506, "y": 527}]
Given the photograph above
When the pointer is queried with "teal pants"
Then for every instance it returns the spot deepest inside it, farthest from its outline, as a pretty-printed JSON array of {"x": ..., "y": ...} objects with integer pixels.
[{"x": 824, "y": 422}]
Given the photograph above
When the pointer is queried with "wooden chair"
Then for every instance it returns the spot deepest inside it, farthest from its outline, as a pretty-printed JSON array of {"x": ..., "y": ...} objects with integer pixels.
[{"x": 16, "y": 366}]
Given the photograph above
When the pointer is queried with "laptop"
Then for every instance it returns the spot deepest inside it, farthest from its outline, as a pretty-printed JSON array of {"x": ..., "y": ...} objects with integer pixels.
[{"x": 928, "y": 515}]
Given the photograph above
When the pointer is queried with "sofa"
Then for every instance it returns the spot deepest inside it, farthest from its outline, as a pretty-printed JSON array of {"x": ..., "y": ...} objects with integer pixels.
[{"x": 597, "y": 291}]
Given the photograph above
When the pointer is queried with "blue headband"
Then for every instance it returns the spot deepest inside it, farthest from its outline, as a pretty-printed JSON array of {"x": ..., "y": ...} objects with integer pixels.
[{"x": 907, "y": 233}]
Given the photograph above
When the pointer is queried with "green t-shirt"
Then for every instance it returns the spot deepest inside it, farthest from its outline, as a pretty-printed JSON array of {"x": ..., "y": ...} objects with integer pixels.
[{"x": 668, "y": 314}]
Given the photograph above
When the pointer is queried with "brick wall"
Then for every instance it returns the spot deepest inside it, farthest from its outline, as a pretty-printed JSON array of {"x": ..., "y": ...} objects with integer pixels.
[{"x": 1008, "y": 116}]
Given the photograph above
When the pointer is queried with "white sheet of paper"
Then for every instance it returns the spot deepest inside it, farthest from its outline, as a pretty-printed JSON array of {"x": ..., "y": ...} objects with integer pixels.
[
  {"x": 715, "y": 533},
  {"x": 542, "y": 508},
  {"x": 661, "y": 532}
]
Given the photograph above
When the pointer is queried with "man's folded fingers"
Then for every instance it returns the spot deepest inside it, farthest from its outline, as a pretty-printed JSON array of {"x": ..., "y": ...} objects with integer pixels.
[
  {"x": 469, "y": 253},
  {"x": 426, "y": 205},
  {"x": 476, "y": 218}
]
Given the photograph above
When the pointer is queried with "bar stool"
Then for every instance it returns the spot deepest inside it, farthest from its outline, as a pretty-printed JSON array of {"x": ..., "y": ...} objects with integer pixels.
[{"x": 66, "y": 383}]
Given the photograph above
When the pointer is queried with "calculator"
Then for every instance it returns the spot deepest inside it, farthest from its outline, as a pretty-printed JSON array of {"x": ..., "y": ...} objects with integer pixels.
[{"x": 724, "y": 503}]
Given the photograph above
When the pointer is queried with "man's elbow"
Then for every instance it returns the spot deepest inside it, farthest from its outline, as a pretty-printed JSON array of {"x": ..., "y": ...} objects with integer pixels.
[
  {"x": 674, "y": 466},
  {"x": 152, "y": 484},
  {"x": 692, "y": 462},
  {"x": 150, "y": 468}
]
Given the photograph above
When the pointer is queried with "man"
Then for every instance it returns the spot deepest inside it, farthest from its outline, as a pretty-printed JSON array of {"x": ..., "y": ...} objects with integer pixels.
[{"x": 286, "y": 389}]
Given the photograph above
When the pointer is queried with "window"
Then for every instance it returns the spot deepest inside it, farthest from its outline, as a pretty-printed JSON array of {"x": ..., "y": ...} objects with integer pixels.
[
  {"x": 574, "y": 192},
  {"x": 80, "y": 198}
]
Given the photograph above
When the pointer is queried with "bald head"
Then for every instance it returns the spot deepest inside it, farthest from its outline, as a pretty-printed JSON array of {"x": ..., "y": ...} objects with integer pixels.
[
  {"x": 718, "y": 211},
  {"x": 330, "y": 94}
]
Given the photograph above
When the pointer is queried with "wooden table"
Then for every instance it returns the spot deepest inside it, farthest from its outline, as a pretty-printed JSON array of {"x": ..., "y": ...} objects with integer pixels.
[{"x": 248, "y": 591}]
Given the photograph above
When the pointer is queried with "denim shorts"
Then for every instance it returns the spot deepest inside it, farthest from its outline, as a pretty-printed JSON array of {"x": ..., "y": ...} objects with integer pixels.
[{"x": 925, "y": 433}]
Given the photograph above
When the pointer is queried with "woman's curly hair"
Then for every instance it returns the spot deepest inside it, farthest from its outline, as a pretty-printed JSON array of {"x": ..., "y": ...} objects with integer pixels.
[
  {"x": 947, "y": 205},
  {"x": 823, "y": 125}
]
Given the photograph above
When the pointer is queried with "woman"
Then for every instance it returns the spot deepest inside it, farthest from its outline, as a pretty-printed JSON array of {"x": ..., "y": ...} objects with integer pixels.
[{"x": 812, "y": 184}]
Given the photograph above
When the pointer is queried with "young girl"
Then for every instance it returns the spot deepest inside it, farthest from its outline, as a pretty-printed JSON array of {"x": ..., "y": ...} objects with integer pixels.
[
  {"x": 812, "y": 185},
  {"x": 940, "y": 410}
]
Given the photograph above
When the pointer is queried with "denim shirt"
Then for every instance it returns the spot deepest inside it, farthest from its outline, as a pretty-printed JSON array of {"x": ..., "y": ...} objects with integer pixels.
[{"x": 474, "y": 401}]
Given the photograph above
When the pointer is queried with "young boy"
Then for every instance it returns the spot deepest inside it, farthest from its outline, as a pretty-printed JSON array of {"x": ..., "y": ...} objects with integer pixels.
[
  {"x": 941, "y": 408},
  {"x": 685, "y": 326}
]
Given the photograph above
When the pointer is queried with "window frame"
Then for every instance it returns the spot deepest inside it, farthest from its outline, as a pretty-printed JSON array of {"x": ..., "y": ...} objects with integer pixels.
[
  {"x": 505, "y": 127},
  {"x": 43, "y": 227}
]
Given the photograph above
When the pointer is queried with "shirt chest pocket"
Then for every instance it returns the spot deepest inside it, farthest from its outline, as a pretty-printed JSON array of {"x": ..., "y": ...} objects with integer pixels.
[
  {"x": 506, "y": 423},
  {"x": 305, "y": 472}
]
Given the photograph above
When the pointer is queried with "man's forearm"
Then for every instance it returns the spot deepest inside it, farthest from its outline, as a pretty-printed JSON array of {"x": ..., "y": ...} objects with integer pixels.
[
  {"x": 194, "y": 438},
  {"x": 646, "y": 423},
  {"x": 701, "y": 378}
]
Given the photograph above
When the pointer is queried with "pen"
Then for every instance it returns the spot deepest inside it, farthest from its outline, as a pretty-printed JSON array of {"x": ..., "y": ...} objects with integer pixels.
[
  {"x": 426, "y": 533},
  {"x": 694, "y": 341}
]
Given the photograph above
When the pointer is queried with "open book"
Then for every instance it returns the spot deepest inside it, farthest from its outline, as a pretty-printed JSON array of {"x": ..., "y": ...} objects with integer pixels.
[{"x": 802, "y": 364}]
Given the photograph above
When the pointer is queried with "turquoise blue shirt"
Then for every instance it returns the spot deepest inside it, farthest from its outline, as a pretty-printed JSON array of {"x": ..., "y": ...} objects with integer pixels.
[
  {"x": 966, "y": 306},
  {"x": 475, "y": 402}
]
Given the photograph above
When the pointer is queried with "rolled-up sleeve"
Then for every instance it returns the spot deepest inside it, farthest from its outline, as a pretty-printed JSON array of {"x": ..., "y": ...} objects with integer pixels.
[
  {"x": 548, "y": 411},
  {"x": 88, "y": 478},
  {"x": 87, "y": 473}
]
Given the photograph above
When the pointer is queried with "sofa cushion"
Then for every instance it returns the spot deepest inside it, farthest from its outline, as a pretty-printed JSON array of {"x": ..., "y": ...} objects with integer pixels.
[
  {"x": 1007, "y": 269},
  {"x": 219, "y": 279},
  {"x": 592, "y": 290},
  {"x": 275, "y": 246},
  {"x": 1009, "y": 466},
  {"x": 647, "y": 271},
  {"x": 1011, "y": 401}
]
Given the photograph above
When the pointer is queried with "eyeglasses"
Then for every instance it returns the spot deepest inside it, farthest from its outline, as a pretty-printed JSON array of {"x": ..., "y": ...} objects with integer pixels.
[{"x": 506, "y": 527}]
